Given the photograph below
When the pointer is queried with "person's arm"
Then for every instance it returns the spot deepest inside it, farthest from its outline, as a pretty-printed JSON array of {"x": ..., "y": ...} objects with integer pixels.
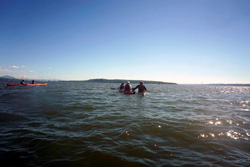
[
  {"x": 135, "y": 87},
  {"x": 144, "y": 87}
]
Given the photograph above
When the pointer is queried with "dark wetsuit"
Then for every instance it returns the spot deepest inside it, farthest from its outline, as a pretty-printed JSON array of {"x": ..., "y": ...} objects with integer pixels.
[{"x": 141, "y": 88}]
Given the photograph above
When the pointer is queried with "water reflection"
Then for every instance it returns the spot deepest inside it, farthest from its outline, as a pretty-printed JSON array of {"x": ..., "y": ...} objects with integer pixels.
[
  {"x": 215, "y": 131},
  {"x": 171, "y": 126}
]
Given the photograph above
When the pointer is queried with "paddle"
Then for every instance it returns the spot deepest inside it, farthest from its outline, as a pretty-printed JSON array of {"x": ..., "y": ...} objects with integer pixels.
[
  {"x": 114, "y": 88},
  {"x": 133, "y": 90}
]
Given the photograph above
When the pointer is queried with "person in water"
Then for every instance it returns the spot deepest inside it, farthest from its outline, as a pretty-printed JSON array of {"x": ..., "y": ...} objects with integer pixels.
[
  {"x": 33, "y": 81},
  {"x": 22, "y": 82},
  {"x": 122, "y": 86},
  {"x": 140, "y": 87},
  {"x": 128, "y": 88}
]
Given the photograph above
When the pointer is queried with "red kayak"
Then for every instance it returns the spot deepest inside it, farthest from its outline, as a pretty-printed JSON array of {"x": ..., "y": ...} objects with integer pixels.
[
  {"x": 38, "y": 84},
  {"x": 121, "y": 90},
  {"x": 128, "y": 93}
]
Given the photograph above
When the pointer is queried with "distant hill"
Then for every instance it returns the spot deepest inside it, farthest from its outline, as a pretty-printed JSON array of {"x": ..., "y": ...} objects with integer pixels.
[
  {"x": 125, "y": 80},
  {"x": 7, "y": 77}
]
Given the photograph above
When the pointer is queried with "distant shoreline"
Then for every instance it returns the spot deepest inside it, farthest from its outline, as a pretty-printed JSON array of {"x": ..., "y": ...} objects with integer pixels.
[
  {"x": 229, "y": 84},
  {"x": 101, "y": 80},
  {"x": 125, "y": 80},
  {"x": 217, "y": 84},
  {"x": 11, "y": 79}
]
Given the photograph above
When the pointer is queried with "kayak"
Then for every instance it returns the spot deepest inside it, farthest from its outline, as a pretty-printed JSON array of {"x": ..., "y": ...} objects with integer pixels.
[
  {"x": 129, "y": 93},
  {"x": 121, "y": 90},
  {"x": 38, "y": 84}
]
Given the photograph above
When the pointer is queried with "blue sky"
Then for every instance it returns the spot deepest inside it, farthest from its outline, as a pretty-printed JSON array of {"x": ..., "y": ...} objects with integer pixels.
[{"x": 194, "y": 41}]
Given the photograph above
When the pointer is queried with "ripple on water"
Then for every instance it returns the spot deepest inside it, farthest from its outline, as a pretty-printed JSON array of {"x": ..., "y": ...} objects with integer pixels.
[{"x": 81, "y": 124}]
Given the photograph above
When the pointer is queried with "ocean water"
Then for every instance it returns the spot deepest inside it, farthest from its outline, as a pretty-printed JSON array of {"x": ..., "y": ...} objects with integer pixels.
[{"x": 88, "y": 124}]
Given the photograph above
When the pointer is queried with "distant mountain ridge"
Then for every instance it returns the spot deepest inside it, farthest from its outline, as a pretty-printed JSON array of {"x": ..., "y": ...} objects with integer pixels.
[
  {"x": 7, "y": 77},
  {"x": 101, "y": 80}
]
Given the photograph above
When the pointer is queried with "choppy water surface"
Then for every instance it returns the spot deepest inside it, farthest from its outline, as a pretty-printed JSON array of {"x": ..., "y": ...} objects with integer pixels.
[{"x": 83, "y": 124}]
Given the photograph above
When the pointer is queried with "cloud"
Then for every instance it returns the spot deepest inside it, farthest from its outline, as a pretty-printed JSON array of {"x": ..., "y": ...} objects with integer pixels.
[
  {"x": 16, "y": 70},
  {"x": 50, "y": 68},
  {"x": 6, "y": 71},
  {"x": 14, "y": 66}
]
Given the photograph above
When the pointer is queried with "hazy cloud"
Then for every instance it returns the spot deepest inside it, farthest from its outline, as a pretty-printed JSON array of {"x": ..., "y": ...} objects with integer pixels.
[
  {"x": 14, "y": 66},
  {"x": 6, "y": 71}
]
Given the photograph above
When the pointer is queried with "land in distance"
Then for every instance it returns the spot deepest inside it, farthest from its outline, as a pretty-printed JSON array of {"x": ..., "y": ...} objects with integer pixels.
[{"x": 125, "y": 81}]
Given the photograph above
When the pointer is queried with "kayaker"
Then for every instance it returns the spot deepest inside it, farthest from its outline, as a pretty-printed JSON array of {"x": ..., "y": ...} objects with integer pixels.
[
  {"x": 33, "y": 81},
  {"x": 128, "y": 88},
  {"x": 122, "y": 86},
  {"x": 140, "y": 87},
  {"x": 22, "y": 82}
]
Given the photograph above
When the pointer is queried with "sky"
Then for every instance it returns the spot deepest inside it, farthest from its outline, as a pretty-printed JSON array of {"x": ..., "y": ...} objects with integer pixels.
[{"x": 186, "y": 42}]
